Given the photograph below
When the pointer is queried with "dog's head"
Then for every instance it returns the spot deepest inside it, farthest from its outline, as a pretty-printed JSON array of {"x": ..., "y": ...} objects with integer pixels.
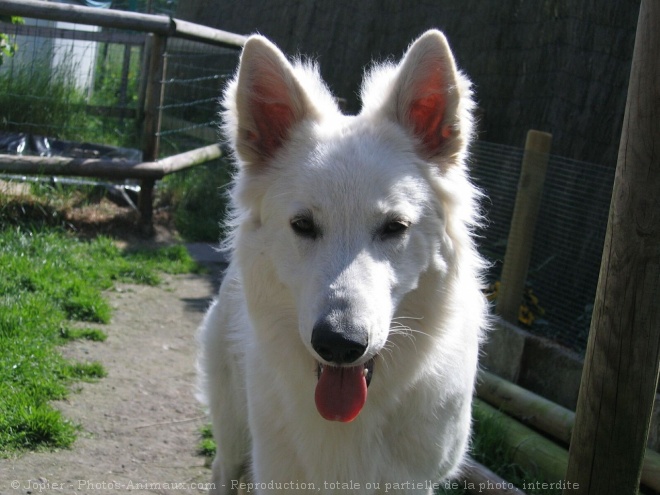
[{"x": 348, "y": 208}]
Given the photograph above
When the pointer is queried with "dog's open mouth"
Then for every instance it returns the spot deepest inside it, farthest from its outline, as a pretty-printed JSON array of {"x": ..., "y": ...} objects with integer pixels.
[{"x": 341, "y": 391}]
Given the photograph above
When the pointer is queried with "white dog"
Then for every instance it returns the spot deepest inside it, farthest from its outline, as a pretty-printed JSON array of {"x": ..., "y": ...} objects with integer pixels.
[{"x": 341, "y": 352}]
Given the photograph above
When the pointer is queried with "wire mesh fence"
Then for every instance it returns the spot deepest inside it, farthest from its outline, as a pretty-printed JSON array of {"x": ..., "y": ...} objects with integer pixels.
[
  {"x": 195, "y": 75},
  {"x": 77, "y": 82},
  {"x": 61, "y": 76},
  {"x": 63, "y": 83},
  {"x": 144, "y": 83},
  {"x": 568, "y": 239}
]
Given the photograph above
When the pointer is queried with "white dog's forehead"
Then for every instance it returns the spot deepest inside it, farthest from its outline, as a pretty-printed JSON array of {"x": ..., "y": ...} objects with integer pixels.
[{"x": 363, "y": 171}]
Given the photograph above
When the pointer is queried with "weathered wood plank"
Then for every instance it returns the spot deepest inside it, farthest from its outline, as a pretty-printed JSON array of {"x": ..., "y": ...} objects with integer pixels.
[
  {"x": 151, "y": 124},
  {"x": 532, "y": 409},
  {"x": 547, "y": 417},
  {"x": 83, "y": 167},
  {"x": 190, "y": 158},
  {"x": 621, "y": 365},
  {"x": 189, "y": 30},
  {"x": 104, "y": 168},
  {"x": 529, "y": 449},
  {"x": 479, "y": 479},
  {"x": 118, "y": 37},
  {"x": 521, "y": 233},
  {"x": 88, "y": 15},
  {"x": 120, "y": 19}
]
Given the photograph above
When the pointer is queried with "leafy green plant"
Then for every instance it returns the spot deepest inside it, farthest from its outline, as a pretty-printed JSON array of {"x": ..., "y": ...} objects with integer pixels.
[
  {"x": 43, "y": 98},
  {"x": 206, "y": 446},
  {"x": 198, "y": 198},
  {"x": 111, "y": 88},
  {"x": 39, "y": 99},
  {"x": 529, "y": 312},
  {"x": 7, "y": 48}
]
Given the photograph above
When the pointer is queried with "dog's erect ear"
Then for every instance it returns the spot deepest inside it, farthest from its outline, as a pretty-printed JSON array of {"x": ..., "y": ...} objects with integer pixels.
[
  {"x": 431, "y": 99},
  {"x": 264, "y": 102}
]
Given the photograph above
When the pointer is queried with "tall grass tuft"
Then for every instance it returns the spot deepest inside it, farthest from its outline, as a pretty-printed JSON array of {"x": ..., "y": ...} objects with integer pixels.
[
  {"x": 199, "y": 200},
  {"x": 43, "y": 99},
  {"x": 40, "y": 99}
]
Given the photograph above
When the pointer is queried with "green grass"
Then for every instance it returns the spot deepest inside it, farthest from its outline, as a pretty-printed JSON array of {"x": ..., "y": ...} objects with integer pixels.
[
  {"x": 36, "y": 99},
  {"x": 489, "y": 448},
  {"x": 51, "y": 279},
  {"x": 198, "y": 197},
  {"x": 41, "y": 99},
  {"x": 93, "y": 334},
  {"x": 206, "y": 446},
  {"x": 108, "y": 89}
]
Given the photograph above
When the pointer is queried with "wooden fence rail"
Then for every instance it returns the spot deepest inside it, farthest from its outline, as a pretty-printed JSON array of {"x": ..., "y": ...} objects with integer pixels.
[
  {"x": 146, "y": 23},
  {"x": 547, "y": 417},
  {"x": 521, "y": 233},
  {"x": 113, "y": 169}
]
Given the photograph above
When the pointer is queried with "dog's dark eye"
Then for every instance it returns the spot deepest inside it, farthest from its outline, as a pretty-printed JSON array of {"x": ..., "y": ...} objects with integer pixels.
[
  {"x": 394, "y": 228},
  {"x": 304, "y": 227}
]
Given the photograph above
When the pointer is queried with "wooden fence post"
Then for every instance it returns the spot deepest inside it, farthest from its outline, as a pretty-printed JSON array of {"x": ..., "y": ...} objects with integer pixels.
[
  {"x": 521, "y": 232},
  {"x": 620, "y": 374},
  {"x": 153, "y": 100}
]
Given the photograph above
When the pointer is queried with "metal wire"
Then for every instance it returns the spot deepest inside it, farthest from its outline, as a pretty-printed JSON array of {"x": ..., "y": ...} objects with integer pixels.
[{"x": 568, "y": 238}]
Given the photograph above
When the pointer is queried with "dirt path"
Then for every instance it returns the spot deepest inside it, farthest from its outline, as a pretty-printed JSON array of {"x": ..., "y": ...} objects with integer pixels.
[{"x": 140, "y": 424}]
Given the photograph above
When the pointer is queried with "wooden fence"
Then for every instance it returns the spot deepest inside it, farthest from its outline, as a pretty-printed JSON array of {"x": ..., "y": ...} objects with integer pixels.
[{"x": 153, "y": 32}]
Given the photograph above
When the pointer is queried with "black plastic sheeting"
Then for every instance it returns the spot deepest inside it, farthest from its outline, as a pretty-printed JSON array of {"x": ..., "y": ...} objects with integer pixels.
[{"x": 21, "y": 143}]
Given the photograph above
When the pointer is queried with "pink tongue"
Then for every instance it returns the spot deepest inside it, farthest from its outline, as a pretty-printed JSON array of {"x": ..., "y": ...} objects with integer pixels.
[{"x": 341, "y": 393}]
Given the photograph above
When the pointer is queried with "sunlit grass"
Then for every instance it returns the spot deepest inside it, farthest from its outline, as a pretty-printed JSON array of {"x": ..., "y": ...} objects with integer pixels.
[{"x": 50, "y": 280}]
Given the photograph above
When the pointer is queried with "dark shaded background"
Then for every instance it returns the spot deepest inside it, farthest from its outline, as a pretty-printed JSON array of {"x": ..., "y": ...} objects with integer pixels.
[{"x": 554, "y": 65}]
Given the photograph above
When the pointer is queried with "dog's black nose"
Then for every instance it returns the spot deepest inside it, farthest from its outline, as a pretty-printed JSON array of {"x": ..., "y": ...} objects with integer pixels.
[{"x": 339, "y": 345}]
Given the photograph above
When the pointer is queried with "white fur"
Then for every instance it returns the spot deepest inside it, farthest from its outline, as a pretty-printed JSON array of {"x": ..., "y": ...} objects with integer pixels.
[{"x": 417, "y": 294}]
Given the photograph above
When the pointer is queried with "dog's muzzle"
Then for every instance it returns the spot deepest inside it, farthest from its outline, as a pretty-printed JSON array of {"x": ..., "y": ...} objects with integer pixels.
[{"x": 341, "y": 390}]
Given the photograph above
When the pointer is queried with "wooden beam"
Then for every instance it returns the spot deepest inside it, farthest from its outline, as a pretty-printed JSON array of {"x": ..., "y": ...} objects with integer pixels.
[
  {"x": 529, "y": 449},
  {"x": 190, "y": 158},
  {"x": 82, "y": 167},
  {"x": 114, "y": 169},
  {"x": 532, "y": 409},
  {"x": 523, "y": 222},
  {"x": 620, "y": 375},
  {"x": 118, "y": 37},
  {"x": 478, "y": 479},
  {"x": 197, "y": 32},
  {"x": 120, "y": 19},
  {"x": 153, "y": 97},
  {"x": 151, "y": 124},
  {"x": 547, "y": 417}
]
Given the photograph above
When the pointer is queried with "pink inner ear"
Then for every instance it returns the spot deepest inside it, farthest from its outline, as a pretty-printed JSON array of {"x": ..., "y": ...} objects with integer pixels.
[
  {"x": 272, "y": 111},
  {"x": 273, "y": 121},
  {"x": 426, "y": 116}
]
